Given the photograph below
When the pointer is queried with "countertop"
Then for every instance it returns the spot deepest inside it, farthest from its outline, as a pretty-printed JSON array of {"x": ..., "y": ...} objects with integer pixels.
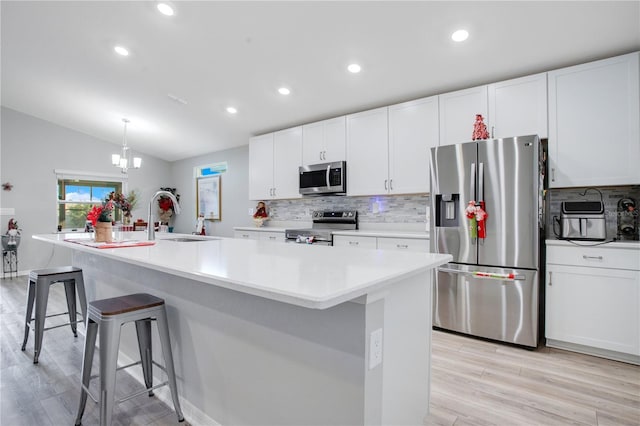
[
  {"x": 357, "y": 232},
  {"x": 601, "y": 244},
  {"x": 311, "y": 276}
]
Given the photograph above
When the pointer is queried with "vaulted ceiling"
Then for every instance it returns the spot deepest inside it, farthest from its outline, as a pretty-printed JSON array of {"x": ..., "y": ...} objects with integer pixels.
[{"x": 183, "y": 71}]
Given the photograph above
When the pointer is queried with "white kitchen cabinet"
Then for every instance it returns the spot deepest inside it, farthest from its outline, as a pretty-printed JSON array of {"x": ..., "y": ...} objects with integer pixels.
[
  {"x": 594, "y": 123},
  {"x": 273, "y": 165},
  {"x": 367, "y": 153},
  {"x": 324, "y": 141},
  {"x": 403, "y": 244},
  {"x": 273, "y": 236},
  {"x": 247, "y": 235},
  {"x": 518, "y": 107},
  {"x": 354, "y": 241},
  {"x": 593, "y": 300},
  {"x": 458, "y": 113},
  {"x": 413, "y": 131},
  {"x": 382, "y": 243}
]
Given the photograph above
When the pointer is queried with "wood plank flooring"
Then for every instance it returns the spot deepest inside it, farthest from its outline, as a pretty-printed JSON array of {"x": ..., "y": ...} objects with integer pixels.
[{"x": 474, "y": 382}]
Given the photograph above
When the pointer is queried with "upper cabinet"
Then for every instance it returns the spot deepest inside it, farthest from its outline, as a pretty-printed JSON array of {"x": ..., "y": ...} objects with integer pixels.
[
  {"x": 273, "y": 164},
  {"x": 518, "y": 107},
  {"x": 367, "y": 152},
  {"x": 594, "y": 130},
  {"x": 413, "y": 131},
  {"x": 458, "y": 114},
  {"x": 324, "y": 141}
]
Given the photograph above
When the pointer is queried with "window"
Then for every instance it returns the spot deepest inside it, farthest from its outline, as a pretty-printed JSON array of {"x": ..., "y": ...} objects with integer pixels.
[{"x": 76, "y": 196}]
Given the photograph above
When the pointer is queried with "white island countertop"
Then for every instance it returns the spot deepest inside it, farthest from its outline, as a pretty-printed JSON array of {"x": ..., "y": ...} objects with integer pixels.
[{"x": 310, "y": 276}]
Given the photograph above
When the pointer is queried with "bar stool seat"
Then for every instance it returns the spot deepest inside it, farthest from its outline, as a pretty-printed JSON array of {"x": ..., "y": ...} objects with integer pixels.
[
  {"x": 106, "y": 318},
  {"x": 39, "y": 283}
]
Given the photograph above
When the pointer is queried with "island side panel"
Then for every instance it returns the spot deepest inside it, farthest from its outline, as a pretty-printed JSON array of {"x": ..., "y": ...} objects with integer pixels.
[{"x": 242, "y": 359}]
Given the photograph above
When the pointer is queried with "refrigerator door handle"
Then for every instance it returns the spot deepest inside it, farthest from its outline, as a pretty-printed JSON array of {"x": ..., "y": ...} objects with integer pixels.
[
  {"x": 480, "y": 182},
  {"x": 472, "y": 182},
  {"x": 485, "y": 275}
]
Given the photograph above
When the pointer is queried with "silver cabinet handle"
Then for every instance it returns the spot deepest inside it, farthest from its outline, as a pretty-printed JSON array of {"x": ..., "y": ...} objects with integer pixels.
[
  {"x": 353, "y": 243},
  {"x": 584, "y": 256},
  {"x": 550, "y": 282},
  {"x": 245, "y": 236},
  {"x": 320, "y": 155},
  {"x": 272, "y": 238},
  {"x": 391, "y": 184},
  {"x": 553, "y": 174},
  {"x": 492, "y": 128},
  {"x": 385, "y": 185},
  {"x": 402, "y": 246}
]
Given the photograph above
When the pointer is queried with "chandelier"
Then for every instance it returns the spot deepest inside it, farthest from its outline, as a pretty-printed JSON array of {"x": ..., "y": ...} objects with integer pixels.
[{"x": 124, "y": 160}]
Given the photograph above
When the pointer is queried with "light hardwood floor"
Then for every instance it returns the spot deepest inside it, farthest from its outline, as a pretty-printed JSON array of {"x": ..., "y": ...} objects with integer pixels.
[{"x": 474, "y": 382}]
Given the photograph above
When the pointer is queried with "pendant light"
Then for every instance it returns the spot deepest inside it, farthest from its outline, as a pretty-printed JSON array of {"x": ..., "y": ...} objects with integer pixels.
[{"x": 123, "y": 160}]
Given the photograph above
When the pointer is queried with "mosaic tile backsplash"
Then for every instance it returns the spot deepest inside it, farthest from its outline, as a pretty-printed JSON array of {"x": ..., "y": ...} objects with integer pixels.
[
  {"x": 610, "y": 198},
  {"x": 380, "y": 209}
]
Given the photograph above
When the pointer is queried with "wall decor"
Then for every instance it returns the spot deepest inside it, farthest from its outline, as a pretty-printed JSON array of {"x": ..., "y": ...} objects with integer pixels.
[{"x": 208, "y": 197}]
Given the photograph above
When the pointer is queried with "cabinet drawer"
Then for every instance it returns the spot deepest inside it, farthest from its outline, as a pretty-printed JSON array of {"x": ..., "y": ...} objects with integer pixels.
[
  {"x": 271, "y": 236},
  {"x": 353, "y": 241},
  {"x": 600, "y": 257},
  {"x": 407, "y": 244},
  {"x": 247, "y": 235}
]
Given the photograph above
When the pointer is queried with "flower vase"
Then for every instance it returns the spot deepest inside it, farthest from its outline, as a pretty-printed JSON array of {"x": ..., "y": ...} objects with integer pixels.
[{"x": 103, "y": 232}]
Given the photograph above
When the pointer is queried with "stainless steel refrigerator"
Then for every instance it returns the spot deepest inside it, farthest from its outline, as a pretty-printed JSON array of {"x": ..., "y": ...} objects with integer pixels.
[{"x": 491, "y": 289}]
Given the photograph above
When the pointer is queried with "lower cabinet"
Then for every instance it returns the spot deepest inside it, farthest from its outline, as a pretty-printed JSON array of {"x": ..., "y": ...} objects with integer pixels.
[
  {"x": 274, "y": 236},
  {"x": 382, "y": 243},
  {"x": 593, "y": 301}
]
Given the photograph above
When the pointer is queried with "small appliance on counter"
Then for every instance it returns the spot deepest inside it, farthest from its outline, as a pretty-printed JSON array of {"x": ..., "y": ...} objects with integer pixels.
[
  {"x": 582, "y": 220},
  {"x": 627, "y": 219},
  {"x": 324, "y": 223}
]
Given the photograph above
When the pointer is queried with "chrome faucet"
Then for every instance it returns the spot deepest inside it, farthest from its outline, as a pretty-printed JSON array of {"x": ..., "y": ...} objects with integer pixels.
[{"x": 151, "y": 232}]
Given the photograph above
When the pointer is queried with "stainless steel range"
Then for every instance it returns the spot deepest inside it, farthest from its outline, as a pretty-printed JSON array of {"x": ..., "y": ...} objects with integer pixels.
[{"x": 324, "y": 224}]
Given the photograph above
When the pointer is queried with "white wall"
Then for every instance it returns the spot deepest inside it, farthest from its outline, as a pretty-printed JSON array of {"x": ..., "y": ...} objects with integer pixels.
[
  {"x": 234, "y": 187},
  {"x": 30, "y": 149}
]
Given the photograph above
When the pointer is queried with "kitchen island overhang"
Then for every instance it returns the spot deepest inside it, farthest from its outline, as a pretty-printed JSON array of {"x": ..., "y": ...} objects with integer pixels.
[{"x": 268, "y": 333}]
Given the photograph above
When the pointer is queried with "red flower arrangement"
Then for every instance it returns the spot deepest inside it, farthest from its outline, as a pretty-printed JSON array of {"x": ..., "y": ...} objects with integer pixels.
[{"x": 101, "y": 213}]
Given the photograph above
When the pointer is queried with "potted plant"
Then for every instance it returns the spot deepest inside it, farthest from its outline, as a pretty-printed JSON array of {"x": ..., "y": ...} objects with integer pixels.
[{"x": 101, "y": 218}]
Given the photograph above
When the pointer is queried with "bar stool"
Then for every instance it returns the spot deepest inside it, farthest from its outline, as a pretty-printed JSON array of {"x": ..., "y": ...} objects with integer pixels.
[
  {"x": 39, "y": 282},
  {"x": 107, "y": 316}
]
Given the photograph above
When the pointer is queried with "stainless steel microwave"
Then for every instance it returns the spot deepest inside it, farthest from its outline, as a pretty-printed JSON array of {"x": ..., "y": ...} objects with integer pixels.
[{"x": 323, "y": 179}]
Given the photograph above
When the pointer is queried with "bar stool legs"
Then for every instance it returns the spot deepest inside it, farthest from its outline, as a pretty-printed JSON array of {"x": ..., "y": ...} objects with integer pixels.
[
  {"x": 106, "y": 318},
  {"x": 38, "y": 293}
]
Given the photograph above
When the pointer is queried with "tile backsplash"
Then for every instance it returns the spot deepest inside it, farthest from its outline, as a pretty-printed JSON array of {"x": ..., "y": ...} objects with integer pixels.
[
  {"x": 379, "y": 209},
  {"x": 610, "y": 197}
]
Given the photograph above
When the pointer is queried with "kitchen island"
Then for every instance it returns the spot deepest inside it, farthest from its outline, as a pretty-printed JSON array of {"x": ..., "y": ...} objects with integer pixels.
[{"x": 282, "y": 334}]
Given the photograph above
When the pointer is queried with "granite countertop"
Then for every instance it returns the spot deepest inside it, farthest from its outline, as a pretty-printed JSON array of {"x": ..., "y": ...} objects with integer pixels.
[{"x": 311, "y": 276}]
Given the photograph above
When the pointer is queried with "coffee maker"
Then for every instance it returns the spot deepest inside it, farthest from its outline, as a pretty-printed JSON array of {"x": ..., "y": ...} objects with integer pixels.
[{"x": 627, "y": 219}]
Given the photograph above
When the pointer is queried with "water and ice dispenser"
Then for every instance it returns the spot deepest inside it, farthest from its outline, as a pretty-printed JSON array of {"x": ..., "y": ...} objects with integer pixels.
[{"x": 447, "y": 208}]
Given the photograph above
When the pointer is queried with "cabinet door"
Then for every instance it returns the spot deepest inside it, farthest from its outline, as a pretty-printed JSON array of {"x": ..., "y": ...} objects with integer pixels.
[
  {"x": 594, "y": 124},
  {"x": 367, "y": 153},
  {"x": 413, "y": 131},
  {"x": 273, "y": 236},
  {"x": 313, "y": 143},
  {"x": 247, "y": 235},
  {"x": 261, "y": 167},
  {"x": 593, "y": 307},
  {"x": 403, "y": 244},
  {"x": 287, "y": 157},
  {"x": 335, "y": 139},
  {"x": 354, "y": 241},
  {"x": 458, "y": 114},
  {"x": 518, "y": 107}
]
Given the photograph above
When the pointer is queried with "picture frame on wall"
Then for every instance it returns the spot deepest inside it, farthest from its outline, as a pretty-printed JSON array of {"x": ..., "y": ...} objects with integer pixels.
[{"x": 208, "y": 192}]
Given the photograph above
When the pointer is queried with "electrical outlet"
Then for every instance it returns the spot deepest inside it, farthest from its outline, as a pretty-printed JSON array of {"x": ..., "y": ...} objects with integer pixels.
[
  {"x": 375, "y": 348},
  {"x": 250, "y": 211}
]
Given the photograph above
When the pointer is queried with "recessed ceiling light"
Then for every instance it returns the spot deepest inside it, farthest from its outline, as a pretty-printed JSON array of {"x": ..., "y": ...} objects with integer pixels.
[
  {"x": 354, "y": 68},
  {"x": 460, "y": 35},
  {"x": 231, "y": 110},
  {"x": 121, "y": 50},
  {"x": 165, "y": 9},
  {"x": 284, "y": 91}
]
